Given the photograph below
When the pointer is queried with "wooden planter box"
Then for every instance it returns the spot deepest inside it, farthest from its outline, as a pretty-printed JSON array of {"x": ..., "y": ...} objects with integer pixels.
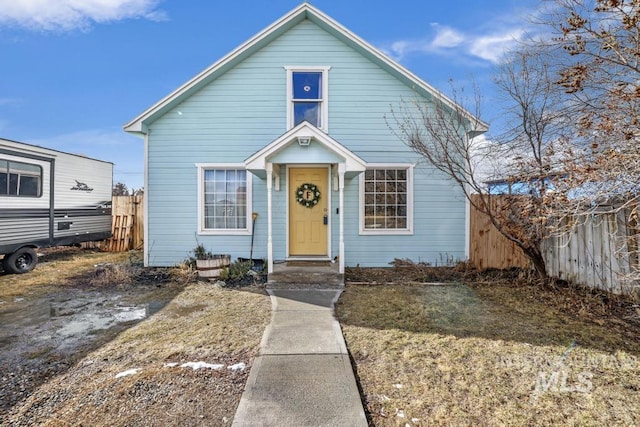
[{"x": 211, "y": 268}]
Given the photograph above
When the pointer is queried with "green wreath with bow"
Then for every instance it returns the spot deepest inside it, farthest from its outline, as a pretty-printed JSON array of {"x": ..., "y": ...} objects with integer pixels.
[{"x": 308, "y": 195}]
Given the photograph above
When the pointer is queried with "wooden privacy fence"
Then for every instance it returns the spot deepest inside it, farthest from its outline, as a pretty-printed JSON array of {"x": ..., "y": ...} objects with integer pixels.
[
  {"x": 127, "y": 222},
  {"x": 127, "y": 225},
  {"x": 598, "y": 250},
  {"x": 490, "y": 249}
]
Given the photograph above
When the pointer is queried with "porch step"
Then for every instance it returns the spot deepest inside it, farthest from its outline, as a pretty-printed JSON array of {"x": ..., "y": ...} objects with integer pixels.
[{"x": 286, "y": 275}]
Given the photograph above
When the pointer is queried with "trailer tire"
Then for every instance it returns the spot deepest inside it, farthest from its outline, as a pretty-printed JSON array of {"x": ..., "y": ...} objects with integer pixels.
[{"x": 21, "y": 261}]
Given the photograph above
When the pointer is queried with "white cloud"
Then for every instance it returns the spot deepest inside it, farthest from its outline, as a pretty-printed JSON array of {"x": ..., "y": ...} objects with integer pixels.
[
  {"x": 447, "y": 41},
  {"x": 446, "y": 37},
  {"x": 488, "y": 42},
  {"x": 67, "y": 15},
  {"x": 443, "y": 38},
  {"x": 493, "y": 47},
  {"x": 399, "y": 48}
]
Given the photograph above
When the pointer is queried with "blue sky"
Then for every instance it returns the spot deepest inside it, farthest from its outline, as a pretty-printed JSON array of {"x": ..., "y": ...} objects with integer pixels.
[{"x": 72, "y": 72}]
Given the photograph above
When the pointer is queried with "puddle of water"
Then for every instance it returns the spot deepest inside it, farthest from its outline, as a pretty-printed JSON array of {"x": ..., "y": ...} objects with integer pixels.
[
  {"x": 84, "y": 323},
  {"x": 66, "y": 320},
  {"x": 84, "y": 317},
  {"x": 129, "y": 314}
]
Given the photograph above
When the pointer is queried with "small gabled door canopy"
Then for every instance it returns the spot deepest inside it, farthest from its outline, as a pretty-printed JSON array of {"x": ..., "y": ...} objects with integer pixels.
[{"x": 256, "y": 164}]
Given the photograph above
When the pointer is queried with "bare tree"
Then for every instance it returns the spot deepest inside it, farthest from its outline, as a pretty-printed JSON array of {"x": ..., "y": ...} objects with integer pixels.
[
  {"x": 523, "y": 158},
  {"x": 598, "y": 63},
  {"x": 601, "y": 65},
  {"x": 571, "y": 140},
  {"x": 599, "y": 68}
]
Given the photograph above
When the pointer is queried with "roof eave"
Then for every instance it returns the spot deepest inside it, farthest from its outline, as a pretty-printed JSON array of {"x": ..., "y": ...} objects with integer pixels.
[
  {"x": 290, "y": 19},
  {"x": 304, "y": 11},
  {"x": 258, "y": 160},
  {"x": 326, "y": 22}
]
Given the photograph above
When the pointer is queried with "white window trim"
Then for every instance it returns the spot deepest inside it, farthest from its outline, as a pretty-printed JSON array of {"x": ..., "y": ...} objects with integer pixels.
[
  {"x": 222, "y": 231},
  {"x": 324, "y": 112},
  {"x": 382, "y": 232}
]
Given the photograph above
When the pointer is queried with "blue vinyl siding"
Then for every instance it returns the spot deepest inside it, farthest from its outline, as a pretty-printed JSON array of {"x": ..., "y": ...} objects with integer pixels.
[{"x": 245, "y": 109}]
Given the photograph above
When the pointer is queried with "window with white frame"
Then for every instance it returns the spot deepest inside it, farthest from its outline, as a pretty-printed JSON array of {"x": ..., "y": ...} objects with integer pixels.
[
  {"x": 386, "y": 198},
  {"x": 20, "y": 179},
  {"x": 307, "y": 93},
  {"x": 224, "y": 199}
]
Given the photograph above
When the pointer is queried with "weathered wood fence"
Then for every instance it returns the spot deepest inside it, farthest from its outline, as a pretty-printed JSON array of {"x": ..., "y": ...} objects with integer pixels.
[
  {"x": 598, "y": 250},
  {"x": 127, "y": 225},
  {"x": 127, "y": 216}
]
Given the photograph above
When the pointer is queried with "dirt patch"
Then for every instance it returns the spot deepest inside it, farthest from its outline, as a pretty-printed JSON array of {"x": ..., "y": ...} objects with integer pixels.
[
  {"x": 44, "y": 335},
  {"x": 404, "y": 272},
  {"x": 105, "y": 341}
]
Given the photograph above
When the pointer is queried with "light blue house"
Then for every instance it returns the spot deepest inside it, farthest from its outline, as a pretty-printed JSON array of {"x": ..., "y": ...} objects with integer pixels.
[{"x": 291, "y": 126}]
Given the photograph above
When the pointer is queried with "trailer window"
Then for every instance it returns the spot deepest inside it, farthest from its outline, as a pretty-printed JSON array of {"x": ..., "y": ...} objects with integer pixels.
[{"x": 20, "y": 179}]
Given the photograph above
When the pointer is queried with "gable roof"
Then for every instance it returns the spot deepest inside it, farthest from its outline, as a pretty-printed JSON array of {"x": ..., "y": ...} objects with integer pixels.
[
  {"x": 288, "y": 21},
  {"x": 257, "y": 161}
]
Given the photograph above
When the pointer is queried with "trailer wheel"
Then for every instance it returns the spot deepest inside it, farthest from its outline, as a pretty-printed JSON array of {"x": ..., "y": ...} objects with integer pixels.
[{"x": 21, "y": 261}]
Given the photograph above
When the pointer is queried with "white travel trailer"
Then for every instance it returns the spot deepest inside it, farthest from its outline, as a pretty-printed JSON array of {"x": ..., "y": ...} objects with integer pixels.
[{"x": 49, "y": 198}]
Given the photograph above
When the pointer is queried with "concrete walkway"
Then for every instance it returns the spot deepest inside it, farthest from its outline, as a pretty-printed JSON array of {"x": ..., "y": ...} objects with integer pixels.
[{"x": 303, "y": 375}]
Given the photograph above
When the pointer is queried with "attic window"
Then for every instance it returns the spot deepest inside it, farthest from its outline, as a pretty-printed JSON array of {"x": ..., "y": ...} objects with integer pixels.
[{"x": 307, "y": 93}]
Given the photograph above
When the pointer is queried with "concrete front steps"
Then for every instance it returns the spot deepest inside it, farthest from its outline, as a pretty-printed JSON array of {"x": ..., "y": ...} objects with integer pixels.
[{"x": 289, "y": 274}]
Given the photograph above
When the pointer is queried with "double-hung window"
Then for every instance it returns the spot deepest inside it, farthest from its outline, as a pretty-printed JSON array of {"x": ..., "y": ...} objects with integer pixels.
[
  {"x": 386, "y": 200},
  {"x": 307, "y": 93},
  {"x": 20, "y": 179},
  {"x": 224, "y": 199}
]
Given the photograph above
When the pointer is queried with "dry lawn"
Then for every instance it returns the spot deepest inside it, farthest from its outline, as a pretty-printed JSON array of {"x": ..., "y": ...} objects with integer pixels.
[
  {"x": 57, "y": 268},
  {"x": 484, "y": 350},
  {"x": 501, "y": 351},
  {"x": 202, "y": 323}
]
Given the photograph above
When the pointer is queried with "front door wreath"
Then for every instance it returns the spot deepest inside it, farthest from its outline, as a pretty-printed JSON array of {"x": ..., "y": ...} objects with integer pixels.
[{"x": 308, "y": 195}]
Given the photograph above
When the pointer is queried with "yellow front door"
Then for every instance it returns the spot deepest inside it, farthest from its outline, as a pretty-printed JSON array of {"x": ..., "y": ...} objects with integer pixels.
[{"x": 307, "y": 211}]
